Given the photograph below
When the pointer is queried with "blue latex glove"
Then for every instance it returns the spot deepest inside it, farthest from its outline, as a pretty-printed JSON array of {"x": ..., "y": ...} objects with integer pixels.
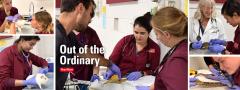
[
  {"x": 43, "y": 71},
  {"x": 217, "y": 41},
  {"x": 197, "y": 45},
  {"x": 15, "y": 18},
  {"x": 216, "y": 75},
  {"x": 235, "y": 87},
  {"x": 134, "y": 76},
  {"x": 31, "y": 81},
  {"x": 142, "y": 88},
  {"x": 192, "y": 81},
  {"x": 10, "y": 18},
  {"x": 94, "y": 77},
  {"x": 116, "y": 70},
  {"x": 108, "y": 74},
  {"x": 216, "y": 48}
]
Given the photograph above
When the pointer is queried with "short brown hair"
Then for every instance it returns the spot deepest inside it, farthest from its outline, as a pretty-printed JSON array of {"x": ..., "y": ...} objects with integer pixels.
[{"x": 172, "y": 20}]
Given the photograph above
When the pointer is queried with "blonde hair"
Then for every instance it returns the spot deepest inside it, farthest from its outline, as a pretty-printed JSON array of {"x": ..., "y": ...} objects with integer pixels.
[
  {"x": 198, "y": 13},
  {"x": 172, "y": 20},
  {"x": 45, "y": 19}
]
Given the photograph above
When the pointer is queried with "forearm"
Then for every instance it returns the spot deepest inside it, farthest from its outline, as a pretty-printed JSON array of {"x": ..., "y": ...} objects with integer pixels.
[
  {"x": 102, "y": 60},
  {"x": 2, "y": 28},
  {"x": 152, "y": 87},
  {"x": 96, "y": 70},
  {"x": 19, "y": 83}
]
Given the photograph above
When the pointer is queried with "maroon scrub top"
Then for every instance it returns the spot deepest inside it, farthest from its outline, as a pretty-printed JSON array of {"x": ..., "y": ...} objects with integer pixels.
[
  {"x": 88, "y": 37},
  {"x": 174, "y": 72},
  {"x": 236, "y": 77},
  {"x": 3, "y": 15},
  {"x": 13, "y": 66},
  {"x": 125, "y": 56},
  {"x": 230, "y": 45}
]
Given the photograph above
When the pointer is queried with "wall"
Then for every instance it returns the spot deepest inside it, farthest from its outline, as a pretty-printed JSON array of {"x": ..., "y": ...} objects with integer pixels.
[
  {"x": 23, "y": 6},
  {"x": 228, "y": 28}
]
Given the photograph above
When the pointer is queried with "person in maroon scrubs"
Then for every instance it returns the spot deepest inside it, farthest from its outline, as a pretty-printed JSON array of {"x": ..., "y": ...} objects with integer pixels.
[
  {"x": 231, "y": 12},
  {"x": 232, "y": 66},
  {"x": 170, "y": 26},
  {"x": 136, "y": 54},
  {"x": 6, "y": 10},
  {"x": 16, "y": 64}
]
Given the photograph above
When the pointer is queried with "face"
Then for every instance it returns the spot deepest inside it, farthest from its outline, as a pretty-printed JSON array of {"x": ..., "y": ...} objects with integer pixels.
[
  {"x": 228, "y": 64},
  {"x": 161, "y": 36},
  {"x": 232, "y": 20},
  {"x": 206, "y": 11},
  {"x": 35, "y": 24},
  {"x": 140, "y": 34},
  {"x": 84, "y": 19},
  {"x": 7, "y": 4},
  {"x": 27, "y": 45}
]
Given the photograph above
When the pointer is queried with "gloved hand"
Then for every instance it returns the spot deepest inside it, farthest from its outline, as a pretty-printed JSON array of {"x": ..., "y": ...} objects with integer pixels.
[
  {"x": 192, "y": 81},
  {"x": 108, "y": 74},
  {"x": 216, "y": 48},
  {"x": 217, "y": 41},
  {"x": 134, "y": 76},
  {"x": 235, "y": 87},
  {"x": 16, "y": 17},
  {"x": 197, "y": 45},
  {"x": 217, "y": 76},
  {"x": 9, "y": 18},
  {"x": 142, "y": 88},
  {"x": 31, "y": 81},
  {"x": 94, "y": 77},
  {"x": 116, "y": 70},
  {"x": 43, "y": 71}
]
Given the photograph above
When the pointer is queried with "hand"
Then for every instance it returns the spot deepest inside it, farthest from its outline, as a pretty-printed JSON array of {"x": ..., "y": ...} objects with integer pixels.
[
  {"x": 9, "y": 18},
  {"x": 142, "y": 88},
  {"x": 216, "y": 74},
  {"x": 134, "y": 76},
  {"x": 43, "y": 71},
  {"x": 192, "y": 81},
  {"x": 16, "y": 17},
  {"x": 235, "y": 87},
  {"x": 94, "y": 77},
  {"x": 197, "y": 45},
  {"x": 107, "y": 75},
  {"x": 116, "y": 70},
  {"x": 216, "y": 48},
  {"x": 31, "y": 81},
  {"x": 217, "y": 41}
]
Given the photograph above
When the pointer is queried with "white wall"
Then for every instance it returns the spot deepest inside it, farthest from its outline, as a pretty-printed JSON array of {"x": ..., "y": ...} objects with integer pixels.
[
  {"x": 23, "y": 6},
  {"x": 228, "y": 28}
]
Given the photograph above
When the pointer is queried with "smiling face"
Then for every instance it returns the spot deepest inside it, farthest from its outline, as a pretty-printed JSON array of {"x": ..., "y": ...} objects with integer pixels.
[
  {"x": 140, "y": 34},
  {"x": 206, "y": 11},
  {"x": 27, "y": 45},
  {"x": 228, "y": 64}
]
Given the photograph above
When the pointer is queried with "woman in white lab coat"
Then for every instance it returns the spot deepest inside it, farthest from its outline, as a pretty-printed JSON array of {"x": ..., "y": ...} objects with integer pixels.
[{"x": 205, "y": 26}]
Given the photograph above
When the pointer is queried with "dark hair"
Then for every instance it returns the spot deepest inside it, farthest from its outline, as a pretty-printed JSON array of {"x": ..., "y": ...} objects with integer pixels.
[
  {"x": 69, "y": 5},
  {"x": 27, "y": 38},
  {"x": 144, "y": 21},
  {"x": 230, "y": 7}
]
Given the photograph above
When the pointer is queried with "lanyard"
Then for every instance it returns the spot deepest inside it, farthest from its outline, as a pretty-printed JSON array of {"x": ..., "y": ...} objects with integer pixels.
[
  {"x": 160, "y": 67},
  {"x": 26, "y": 56}
]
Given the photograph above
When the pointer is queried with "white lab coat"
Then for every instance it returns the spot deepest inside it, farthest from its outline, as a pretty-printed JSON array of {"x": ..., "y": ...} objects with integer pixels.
[{"x": 214, "y": 30}]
